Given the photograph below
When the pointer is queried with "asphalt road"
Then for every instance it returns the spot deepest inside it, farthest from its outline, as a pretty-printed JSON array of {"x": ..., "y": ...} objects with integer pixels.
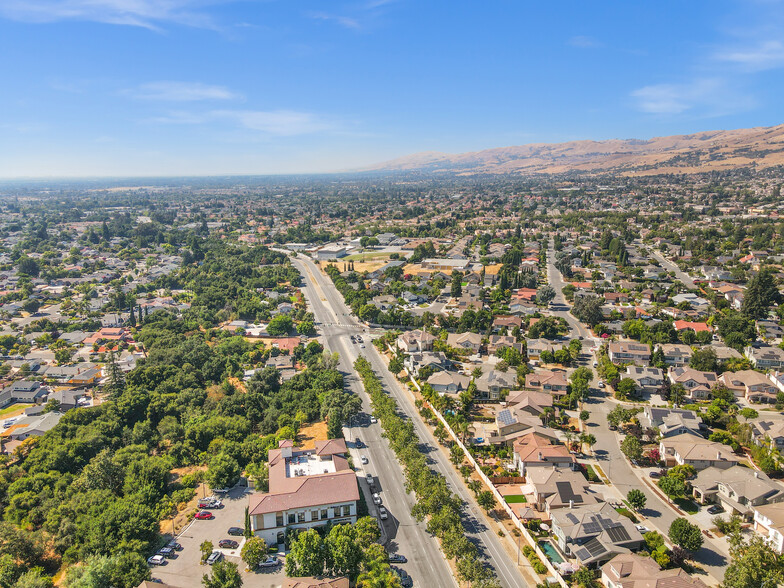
[
  {"x": 673, "y": 267},
  {"x": 607, "y": 448},
  {"x": 426, "y": 563}
]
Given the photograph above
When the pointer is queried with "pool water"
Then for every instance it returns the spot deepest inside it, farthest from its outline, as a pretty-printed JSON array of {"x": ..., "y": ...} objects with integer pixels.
[{"x": 550, "y": 551}]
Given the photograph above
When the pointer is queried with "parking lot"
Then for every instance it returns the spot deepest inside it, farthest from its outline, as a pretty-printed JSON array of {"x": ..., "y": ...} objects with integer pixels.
[{"x": 185, "y": 570}]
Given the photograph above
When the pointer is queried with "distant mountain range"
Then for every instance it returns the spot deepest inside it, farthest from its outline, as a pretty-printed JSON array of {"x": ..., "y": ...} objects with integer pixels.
[{"x": 758, "y": 148}]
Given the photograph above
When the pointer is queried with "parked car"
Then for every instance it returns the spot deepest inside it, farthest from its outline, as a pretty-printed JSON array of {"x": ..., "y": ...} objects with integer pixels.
[
  {"x": 397, "y": 558},
  {"x": 715, "y": 509},
  {"x": 369, "y": 479},
  {"x": 221, "y": 490},
  {"x": 382, "y": 512},
  {"x": 215, "y": 557},
  {"x": 596, "y": 364},
  {"x": 228, "y": 544},
  {"x": 642, "y": 529},
  {"x": 654, "y": 474},
  {"x": 376, "y": 499},
  {"x": 174, "y": 545},
  {"x": 358, "y": 442},
  {"x": 236, "y": 531},
  {"x": 373, "y": 420},
  {"x": 210, "y": 503},
  {"x": 405, "y": 579},
  {"x": 156, "y": 560},
  {"x": 364, "y": 459},
  {"x": 270, "y": 562},
  {"x": 166, "y": 552},
  {"x": 204, "y": 515},
  {"x": 601, "y": 385}
]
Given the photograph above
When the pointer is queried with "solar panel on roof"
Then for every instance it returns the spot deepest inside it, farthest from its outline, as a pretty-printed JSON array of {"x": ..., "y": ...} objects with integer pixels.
[
  {"x": 591, "y": 528},
  {"x": 505, "y": 416},
  {"x": 565, "y": 491},
  {"x": 572, "y": 518},
  {"x": 583, "y": 554},
  {"x": 595, "y": 547},
  {"x": 618, "y": 534}
]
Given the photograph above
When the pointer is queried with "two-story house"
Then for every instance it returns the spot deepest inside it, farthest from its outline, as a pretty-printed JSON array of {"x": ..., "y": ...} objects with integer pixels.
[
  {"x": 307, "y": 489},
  {"x": 697, "y": 384},
  {"x": 753, "y": 386},
  {"x": 553, "y": 382},
  {"x": 470, "y": 341},
  {"x": 649, "y": 380},
  {"x": 416, "y": 340},
  {"x": 629, "y": 352},
  {"x": 769, "y": 523},
  {"x": 492, "y": 383},
  {"x": 629, "y": 570},
  {"x": 676, "y": 354},
  {"x": 446, "y": 382},
  {"x": 698, "y": 452},
  {"x": 737, "y": 489},
  {"x": 765, "y": 357},
  {"x": 533, "y": 451}
]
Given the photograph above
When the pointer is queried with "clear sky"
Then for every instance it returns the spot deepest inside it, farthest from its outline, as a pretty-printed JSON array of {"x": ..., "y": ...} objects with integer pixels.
[{"x": 172, "y": 87}]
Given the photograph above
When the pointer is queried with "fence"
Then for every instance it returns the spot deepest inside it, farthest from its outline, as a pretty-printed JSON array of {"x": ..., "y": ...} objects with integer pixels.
[
  {"x": 499, "y": 498},
  {"x": 507, "y": 479}
]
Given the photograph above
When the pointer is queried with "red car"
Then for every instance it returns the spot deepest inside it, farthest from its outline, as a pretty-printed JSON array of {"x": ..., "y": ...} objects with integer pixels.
[{"x": 204, "y": 515}]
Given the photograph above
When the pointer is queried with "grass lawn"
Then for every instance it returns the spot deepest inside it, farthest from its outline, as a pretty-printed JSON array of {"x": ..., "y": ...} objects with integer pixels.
[
  {"x": 515, "y": 499},
  {"x": 591, "y": 474},
  {"x": 14, "y": 408},
  {"x": 366, "y": 256},
  {"x": 687, "y": 505}
]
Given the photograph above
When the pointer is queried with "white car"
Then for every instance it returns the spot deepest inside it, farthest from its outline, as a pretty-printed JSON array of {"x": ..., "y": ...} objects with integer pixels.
[
  {"x": 373, "y": 420},
  {"x": 642, "y": 529},
  {"x": 270, "y": 562},
  {"x": 364, "y": 460},
  {"x": 156, "y": 560},
  {"x": 382, "y": 512},
  {"x": 376, "y": 499}
]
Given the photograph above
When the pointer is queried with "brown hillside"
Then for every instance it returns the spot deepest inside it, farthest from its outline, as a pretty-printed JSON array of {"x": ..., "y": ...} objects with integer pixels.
[{"x": 760, "y": 147}]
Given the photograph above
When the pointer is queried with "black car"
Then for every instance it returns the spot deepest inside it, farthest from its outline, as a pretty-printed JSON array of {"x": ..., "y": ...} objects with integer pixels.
[
  {"x": 174, "y": 545},
  {"x": 715, "y": 509},
  {"x": 236, "y": 531},
  {"x": 397, "y": 558},
  {"x": 228, "y": 544},
  {"x": 166, "y": 552}
]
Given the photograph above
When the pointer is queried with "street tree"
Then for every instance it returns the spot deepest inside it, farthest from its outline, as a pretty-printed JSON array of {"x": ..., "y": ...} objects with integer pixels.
[
  {"x": 253, "y": 552},
  {"x": 224, "y": 575},
  {"x": 486, "y": 500},
  {"x": 631, "y": 448},
  {"x": 636, "y": 498},
  {"x": 685, "y": 535}
]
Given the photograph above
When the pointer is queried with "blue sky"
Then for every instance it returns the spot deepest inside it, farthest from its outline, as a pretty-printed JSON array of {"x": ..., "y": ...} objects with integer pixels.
[{"x": 171, "y": 87}]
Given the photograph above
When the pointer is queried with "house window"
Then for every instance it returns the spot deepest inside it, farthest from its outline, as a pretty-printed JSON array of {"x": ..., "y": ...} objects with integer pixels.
[
  {"x": 324, "y": 513},
  {"x": 346, "y": 511},
  {"x": 301, "y": 517},
  {"x": 278, "y": 519},
  {"x": 292, "y": 518},
  {"x": 314, "y": 515}
]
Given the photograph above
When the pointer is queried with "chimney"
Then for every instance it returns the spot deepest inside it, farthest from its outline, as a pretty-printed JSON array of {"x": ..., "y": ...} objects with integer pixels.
[
  {"x": 756, "y": 474},
  {"x": 718, "y": 455},
  {"x": 541, "y": 457},
  {"x": 571, "y": 504}
]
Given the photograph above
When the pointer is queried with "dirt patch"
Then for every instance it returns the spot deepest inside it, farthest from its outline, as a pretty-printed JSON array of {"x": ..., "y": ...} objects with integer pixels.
[
  {"x": 309, "y": 434},
  {"x": 185, "y": 511},
  {"x": 238, "y": 384}
]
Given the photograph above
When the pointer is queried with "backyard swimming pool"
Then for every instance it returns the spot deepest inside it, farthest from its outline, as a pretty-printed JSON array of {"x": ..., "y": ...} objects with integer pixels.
[{"x": 550, "y": 551}]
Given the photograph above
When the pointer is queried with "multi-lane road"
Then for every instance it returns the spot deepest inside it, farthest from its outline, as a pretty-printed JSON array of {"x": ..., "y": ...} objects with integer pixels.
[
  {"x": 426, "y": 565},
  {"x": 607, "y": 448}
]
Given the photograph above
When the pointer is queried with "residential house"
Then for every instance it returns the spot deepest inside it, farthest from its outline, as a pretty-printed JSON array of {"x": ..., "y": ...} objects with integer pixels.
[
  {"x": 768, "y": 433},
  {"x": 671, "y": 421},
  {"x": 594, "y": 534},
  {"x": 630, "y": 570},
  {"x": 688, "y": 449},
  {"x": 513, "y": 422},
  {"x": 696, "y": 327},
  {"x": 22, "y": 391},
  {"x": 629, "y": 352},
  {"x": 414, "y": 362},
  {"x": 307, "y": 489},
  {"x": 697, "y": 384},
  {"x": 536, "y": 347},
  {"x": 506, "y": 322},
  {"x": 675, "y": 354},
  {"x": 556, "y": 488},
  {"x": 470, "y": 341},
  {"x": 417, "y": 340},
  {"x": 737, "y": 489},
  {"x": 553, "y": 382},
  {"x": 649, "y": 380},
  {"x": 765, "y": 357},
  {"x": 446, "y": 382},
  {"x": 492, "y": 383},
  {"x": 497, "y": 342},
  {"x": 769, "y": 523},
  {"x": 770, "y": 330},
  {"x": 530, "y": 401},
  {"x": 753, "y": 386},
  {"x": 533, "y": 451}
]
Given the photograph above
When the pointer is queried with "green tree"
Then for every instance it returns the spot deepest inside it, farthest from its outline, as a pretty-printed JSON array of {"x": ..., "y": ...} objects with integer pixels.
[
  {"x": 584, "y": 578},
  {"x": 486, "y": 500},
  {"x": 206, "y": 548},
  {"x": 456, "y": 290},
  {"x": 636, "y": 498},
  {"x": 223, "y": 471},
  {"x": 308, "y": 555},
  {"x": 254, "y": 551},
  {"x": 248, "y": 532},
  {"x": 588, "y": 309},
  {"x": 626, "y": 388},
  {"x": 280, "y": 325},
  {"x": 760, "y": 293},
  {"x": 344, "y": 554},
  {"x": 704, "y": 360},
  {"x": 672, "y": 486},
  {"x": 754, "y": 564},
  {"x": 224, "y": 574},
  {"x": 631, "y": 447},
  {"x": 685, "y": 535},
  {"x": 545, "y": 294}
]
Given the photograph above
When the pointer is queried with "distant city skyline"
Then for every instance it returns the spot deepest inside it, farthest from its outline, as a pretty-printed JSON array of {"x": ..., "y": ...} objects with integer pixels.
[{"x": 214, "y": 87}]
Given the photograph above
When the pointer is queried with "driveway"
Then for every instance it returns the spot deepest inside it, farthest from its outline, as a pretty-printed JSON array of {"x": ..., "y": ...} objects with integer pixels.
[{"x": 186, "y": 571}]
